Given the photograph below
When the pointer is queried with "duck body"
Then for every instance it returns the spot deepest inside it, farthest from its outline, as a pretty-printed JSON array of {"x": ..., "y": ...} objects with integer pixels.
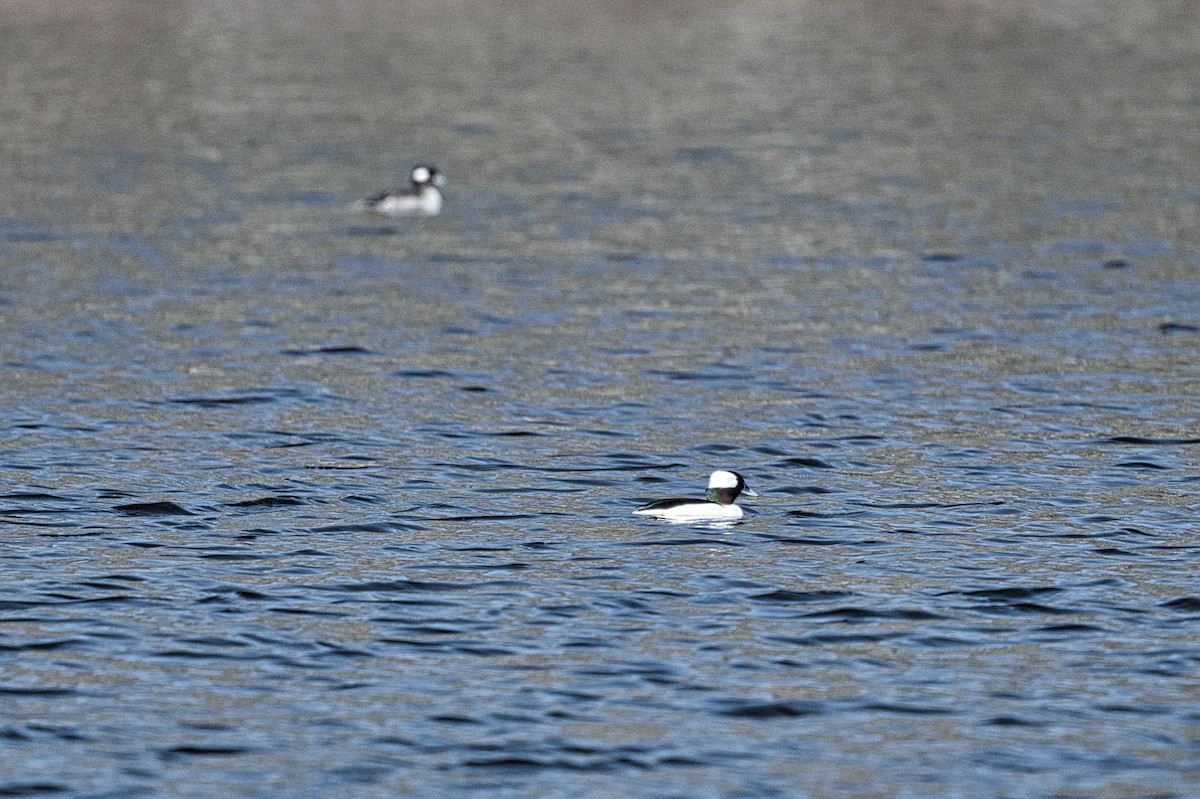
[
  {"x": 422, "y": 198},
  {"x": 724, "y": 487}
]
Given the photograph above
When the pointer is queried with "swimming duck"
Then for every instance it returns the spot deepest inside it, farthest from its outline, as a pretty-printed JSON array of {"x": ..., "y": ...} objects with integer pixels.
[
  {"x": 723, "y": 488},
  {"x": 423, "y": 198}
]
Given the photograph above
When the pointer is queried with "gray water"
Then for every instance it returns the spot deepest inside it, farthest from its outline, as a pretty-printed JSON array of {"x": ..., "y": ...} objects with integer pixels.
[{"x": 301, "y": 502}]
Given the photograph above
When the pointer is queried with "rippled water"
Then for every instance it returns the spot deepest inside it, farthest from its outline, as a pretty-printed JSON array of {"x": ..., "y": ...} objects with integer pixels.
[{"x": 298, "y": 502}]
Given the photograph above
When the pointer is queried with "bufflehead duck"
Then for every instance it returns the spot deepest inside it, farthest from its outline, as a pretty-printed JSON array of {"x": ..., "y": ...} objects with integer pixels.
[
  {"x": 717, "y": 505},
  {"x": 424, "y": 198}
]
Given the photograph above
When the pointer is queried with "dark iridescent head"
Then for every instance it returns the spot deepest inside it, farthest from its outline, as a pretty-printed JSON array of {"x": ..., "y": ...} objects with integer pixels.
[
  {"x": 724, "y": 487},
  {"x": 427, "y": 176}
]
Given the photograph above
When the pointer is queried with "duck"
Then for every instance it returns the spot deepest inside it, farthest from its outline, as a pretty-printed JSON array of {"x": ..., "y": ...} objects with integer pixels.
[
  {"x": 724, "y": 487},
  {"x": 423, "y": 198}
]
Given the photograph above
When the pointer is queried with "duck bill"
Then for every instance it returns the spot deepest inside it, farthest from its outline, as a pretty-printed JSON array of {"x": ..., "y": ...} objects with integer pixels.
[{"x": 750, "y": 492}]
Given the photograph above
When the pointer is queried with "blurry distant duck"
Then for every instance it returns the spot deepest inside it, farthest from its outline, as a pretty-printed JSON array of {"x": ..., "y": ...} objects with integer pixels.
[
  {"x": 717, "y": 505},
  {"x": 423, "y": 198}
]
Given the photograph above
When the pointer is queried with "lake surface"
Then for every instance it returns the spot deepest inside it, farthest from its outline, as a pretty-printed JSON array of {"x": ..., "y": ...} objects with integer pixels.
[{"x": 302, "y": 502}]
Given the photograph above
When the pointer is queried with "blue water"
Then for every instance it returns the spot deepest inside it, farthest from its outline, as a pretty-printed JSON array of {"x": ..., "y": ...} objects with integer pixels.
[{"x": 296, "y": 501}]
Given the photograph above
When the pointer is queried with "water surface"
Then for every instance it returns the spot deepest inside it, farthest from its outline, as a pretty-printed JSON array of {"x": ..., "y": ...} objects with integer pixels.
[{"x": 298, "y": 501}]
